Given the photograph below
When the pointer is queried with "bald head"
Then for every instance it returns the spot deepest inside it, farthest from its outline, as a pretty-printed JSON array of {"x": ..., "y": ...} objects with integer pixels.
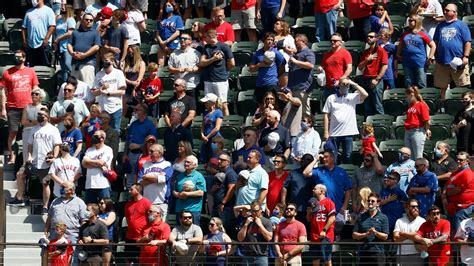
[{"x": 405, "y": 150}]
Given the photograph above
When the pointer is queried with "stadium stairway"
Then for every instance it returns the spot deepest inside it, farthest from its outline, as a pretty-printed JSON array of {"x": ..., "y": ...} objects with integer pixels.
[{"x": 22, "y": 226}]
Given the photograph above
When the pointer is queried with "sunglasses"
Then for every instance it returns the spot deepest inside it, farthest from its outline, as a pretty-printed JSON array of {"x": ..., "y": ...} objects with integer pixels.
[
  {"x": 35, "y": 94},
  {"x": 277, "y": 161},
  {"x": 414, "y": 206},
  {"x": 88, "y": 20},
  {"x": 186, "y": 217},
  {"x": 335, "y": 41},
  {"x": 290, "y": 209},
  {"x": 411, "y": 20},
  {"x": 371, "y": 201},
  {"x": 419, "y": 165},
  {"x": 66, "y": 90},
  {"x": 370, "y": 36}
]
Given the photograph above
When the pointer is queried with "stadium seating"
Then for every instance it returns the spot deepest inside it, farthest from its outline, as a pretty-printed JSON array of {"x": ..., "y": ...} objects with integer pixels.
[{"x": 453, "y": 103}]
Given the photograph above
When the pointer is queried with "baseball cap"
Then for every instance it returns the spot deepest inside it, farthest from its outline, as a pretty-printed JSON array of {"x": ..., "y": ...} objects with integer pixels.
[
  {"x": 273, "y": 139},
  {"x": 210, "y": 97},
  {"x": 106, "y": 12},
  {"x": 269, "y": 57},
  {"x": 245, "y": 174}
]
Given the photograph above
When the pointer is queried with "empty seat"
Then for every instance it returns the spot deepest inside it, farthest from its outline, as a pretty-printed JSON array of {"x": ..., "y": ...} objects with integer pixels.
[
  {"x": 453, "y": 103},
  {"x": 394, "y": 102},
  {"x": 245, "y": 103}
]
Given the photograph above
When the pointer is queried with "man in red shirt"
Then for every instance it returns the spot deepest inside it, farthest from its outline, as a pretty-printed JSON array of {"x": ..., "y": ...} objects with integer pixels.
[
  {"x": 225, "y": 32},
  {"x": 243, "y": 17},
  {"x": 337, "y": 63},
  {"x": 373, "y": 64},
  {"x": 276, "y": 179},
  {"x": 156, "y": 233},
  {"x": 458, "y": 197},
  {"x": 433, "y": 232},
  {"x": 359, "y": 12},
  {"x": 290, "y": 231},
  {"x": 326, "y": 18},
  {"x": 136, "y": 213},
  {"x": 322, "y": 215},
  {"x": 18, "y": 81}
]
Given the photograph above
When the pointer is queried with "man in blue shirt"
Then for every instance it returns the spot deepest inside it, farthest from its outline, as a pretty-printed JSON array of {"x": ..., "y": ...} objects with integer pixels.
[
  {"x": 37, "y": 29},
  {"x": 453, "y": 40},
  {"x": 299, "y": 75},
  {"x": 239, "y": 157},
  {"x": 423, "y": 186},
  {"x": 175, "y": 133},
  {"x": 270, "y": 64},
  {"x": 335, "y": 178}
]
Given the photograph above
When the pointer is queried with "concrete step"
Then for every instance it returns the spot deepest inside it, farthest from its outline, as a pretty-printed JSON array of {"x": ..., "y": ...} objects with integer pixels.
[
  {"x": 23, "y": 237},
  {"x": 8, "y": 184},
  {"x": 25, "y": 227},
  {"x": 29, "y": 219},
  {"x": 22, "y": 252},
  {"x": 14, "y": 210},
  {"x": 22, "y": 261},
  {"x": 9, "y": 193},
  {"x": 8, "y": 174}
]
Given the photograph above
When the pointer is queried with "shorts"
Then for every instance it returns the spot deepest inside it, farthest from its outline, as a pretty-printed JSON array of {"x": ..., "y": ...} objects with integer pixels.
[
  {"x": 190, "y": 3},
  {"x": 243, "y": 19},
  {"x": 84, "y": 72},
  {"x": 142, "y": 5},
  {"x": 444, "y": 74},
  {"x": 321, "y": 252},
  {"x": 14, "y": 118},
  {"x": 44, "y": 176},
  {"x": 220, "y": 89}
]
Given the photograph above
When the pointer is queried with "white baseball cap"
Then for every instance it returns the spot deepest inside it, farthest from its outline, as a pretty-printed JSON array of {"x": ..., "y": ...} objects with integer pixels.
[
  {"x": 210, "y": 97},
  {"x": 273, "y": 139}
]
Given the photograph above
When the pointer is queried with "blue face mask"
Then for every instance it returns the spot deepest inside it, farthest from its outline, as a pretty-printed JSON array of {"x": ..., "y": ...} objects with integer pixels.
[
  {"x": 62, "y": 191},
  {"x": 214, "y": 146},
  {"x": 169, "y": 9},
  {"x": 151, "y": 218},
  {"x": 87, "y": 215},
  {"x": 275, "y": 212},
  {"x": 304, "y": 126},
  {"x": 438, "y": 153}
]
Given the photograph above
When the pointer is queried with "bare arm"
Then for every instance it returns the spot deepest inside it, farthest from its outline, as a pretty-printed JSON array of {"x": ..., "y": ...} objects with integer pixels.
[
  {"x": 308, "y": 171},
  {"x": 283, "y": 195},
  {"x": 189, "y": 119},
  {"x": 262, "y": 196},
  {"x": 348, "y": 71},
  {"x": 326, "y": 125},
  {"x": 110, "y": 219},
  {"x": 230, "y": 63}
]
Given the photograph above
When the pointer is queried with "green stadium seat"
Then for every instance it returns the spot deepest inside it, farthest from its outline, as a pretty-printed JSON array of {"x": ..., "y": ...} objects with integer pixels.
[
  {"x": 398, "y": 8},
  {"x": 453, "y": 103},
  {"x": 243, "y": 52},
  {"x": 245, "y": 103},
  {"x": 441, "y": 126},
  {"x": 166, "y": 78},
  {"x": 399, "y": 127},
  {"x": 356, "y": 46},
  {"x": 431, "y": 97},
  {"x": 349, "y": 168},
  {"x": 380, "y": 119},
  {"x": 389, "y": 150},
  {"x": 307, "y": 26},
  {"x": 247, "y": 79},
  {"x": 394, "y": 102}
]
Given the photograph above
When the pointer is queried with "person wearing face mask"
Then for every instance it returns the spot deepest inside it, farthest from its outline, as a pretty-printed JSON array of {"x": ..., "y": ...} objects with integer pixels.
[
  {"x": 168, "y": 29},
  {"x": 403, "y": 166},
  {"x": 93, "y": 231},
  {"x": 155, "y": 234},
  {"x": 417, "y": 123},
  {"x": 307, "y": 141},
  {"x": 116, "y": 36},
  {"x": 38, "y": 28},
  {"x": 458, "y": 195},
  {"x": 371, "y": 227},
  {"x": 423, "y": 186},
  {"x": 70, "y": 105},
  {"x": 15, "y": 96},
  {"x": 339, "y": 114},
  {"x": 463, "y": 122},
  {"x": 109, "y": 85},
  {"x": 442, "y": 164},
  {"x": 453, "y": 41},
  {"x": 43, "y": 148},
  {"x": 97, "y": 159},
  {"x": 64, "y": 169}
]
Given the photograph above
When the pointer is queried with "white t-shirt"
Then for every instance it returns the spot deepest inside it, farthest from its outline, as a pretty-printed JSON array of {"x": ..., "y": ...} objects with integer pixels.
[
  {"x": 156, "y": 192},
  {"x": 186, "y": 59},
  {"x": 65, "y": 170},
  {"x": 131, "y": 24},
  {"x": 95, "y": 177},
  {"x": 467, "y": 252},
  {"x": 404, "y": 225},
  {"x": 83, "y": 92},
  {"x": 115, "y": 79},
  {"x": 429, "y": 24},
  {"x": 343, "y": 121},
  {"x": 80, "y": 111},
  {"x": 43, "y": 139}
]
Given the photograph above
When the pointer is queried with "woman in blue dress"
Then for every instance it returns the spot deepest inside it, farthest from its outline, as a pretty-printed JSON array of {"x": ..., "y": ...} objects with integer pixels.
[
  {"x": 168, "y": 30},
  {"x": 211, "y": 125}
]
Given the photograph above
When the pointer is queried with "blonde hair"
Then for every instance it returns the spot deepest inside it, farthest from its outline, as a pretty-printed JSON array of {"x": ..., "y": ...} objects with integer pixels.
[
  {"x": 364, "y": 196},
  {"x": 368, "y": 129},
  {"x": 152, "y": 66},
  {"x": 218, "y": 222},
  {"x": 137, "y": 59},
  {"x": 95, "y": 108},
  {"x": 417, "y": 19}
]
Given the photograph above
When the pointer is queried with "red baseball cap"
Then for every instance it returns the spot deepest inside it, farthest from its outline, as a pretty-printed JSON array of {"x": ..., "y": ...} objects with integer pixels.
[{"x": 106, "y": 12}]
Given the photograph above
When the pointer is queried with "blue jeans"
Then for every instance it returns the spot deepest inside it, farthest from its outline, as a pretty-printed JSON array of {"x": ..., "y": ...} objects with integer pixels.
[
  {"x": 251, "y": 261},
  {"x": 458, "y": 217},
  {"x": 389, "y": 84},
  {"x": 115, "y": 119},
  {"x": 346, "y": 142},
  {"x": 326, "y": 25},
  {"x": 362, "y": 27},
  {"x": 94, "y": 195},
  {"x": 415, "y": 141},
  {"x": 133, "y": 162},
  {"x": 414, "y": 76},
  {"x": 373, "y": 103},
  {"x": 268, "y": 16},
  {"x": 65, "y": 60}
]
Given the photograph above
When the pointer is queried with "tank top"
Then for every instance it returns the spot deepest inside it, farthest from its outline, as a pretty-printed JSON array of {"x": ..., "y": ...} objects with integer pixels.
[{"x": 110, "y": 227}]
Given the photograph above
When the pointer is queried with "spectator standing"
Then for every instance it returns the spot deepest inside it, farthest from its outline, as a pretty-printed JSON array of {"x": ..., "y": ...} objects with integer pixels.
[
  {"x": 109, "y": 85},
  {"x": 276, "y": 180},
  {"x": 463, "y": 124},
  {"x": 442, "y": 164},
  {"x": 168, "y": 30},
  {"x": 405, "y": 230},
  {"x": 184, "y": 63},
  {"x": 392, "y": 201},
  {"x": 433, "y": 7},
  {"x": 269, "y": 11},
  {"x": 337, "y": 65},
  {"x": 256, "y": 188},
  {"x": 307, "y": 141},
  {"x": 340, "y": 122},
  {"x": 384, "y": 41},
  {"x": 403, "y": 166},
  {"x": 465, "y": 234},
  {"x": 64, "y": 169},
  {"x": 370, "y": 175},
  {"x": 188, "y": 234},
  {"x": 211, "y": 125},
  {"x": 174, "y": 134},
  {"x": 291, "y": 113},
  {"x": 268, "y": 103},
  {"x": 224, "y": 195},
  {"x": 290, "y": 231},
  {"x": 135, "y": 22},
  {"x": 224, "y": 30},
  {"x": 59, "y": 252},
  {"x": 116, "y": 36},
  {"x": 453, "y": 40},
  {"x": 83, "y": 91},
  {"x": 37, "y": 29},
  {"x": 96, "y": 7},
  {"x": 155, "y": 234},
  {"x": 240, "y": 156},
  {"x": 216, "y": 60},
  {"x": 373, "y": 64},
  {"x": 107, "y": 216},
  {"x": 371, "y": 227},
  {"x": 243, "y": 14},
  {"x": 97, "y": 159},
  {"x": 29, "y": 118},
  {"x": 70, "y": 105},
  {"x": 16, "y": 87},
  {"x": 93, "y": 231},
  {"x": 380, "y": 19},
  {"x": 285, "y": 43},
  {"x": 113, "y": 139},
  {"x": 150, "y": 90},
  {"x": 326, "y": 13},
  {"x": 216, "y": 253},
  {"x": 85, "y": 43},
  {"x": 301, "y": 66},
  {"x": 134, "y": 71},
  {"x": 275, "y": 138},
  {"x": 65, "y": 26},
  {"x": 72, "y": 136},
  {"x": 417, "y": 123},
  {"x": 423, "y": 186},
  {"x": 359, "y": 12},
  {"x": 184, "y": 104}
]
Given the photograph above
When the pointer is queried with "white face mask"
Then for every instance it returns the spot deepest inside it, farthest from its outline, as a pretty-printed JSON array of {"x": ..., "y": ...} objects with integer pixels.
[{"x": 34, "y": 3}]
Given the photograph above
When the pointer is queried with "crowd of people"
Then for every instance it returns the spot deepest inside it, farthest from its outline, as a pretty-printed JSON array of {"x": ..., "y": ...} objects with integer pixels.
[{"x": 279, "y": 182}]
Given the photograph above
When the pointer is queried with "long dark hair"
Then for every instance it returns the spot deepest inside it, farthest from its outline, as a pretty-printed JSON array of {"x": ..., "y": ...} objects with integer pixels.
[
  {"x": 175, "y": 9},
  {"x": 109, "y": 204}
]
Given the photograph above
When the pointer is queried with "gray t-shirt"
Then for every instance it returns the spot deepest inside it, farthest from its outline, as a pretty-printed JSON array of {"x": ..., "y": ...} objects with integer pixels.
[
  {"x": 254, "y": 235},
  {"x": 180, "y": 233},
  {"x": 68, "y": 212},
  {"x": 367, "y": 177}
]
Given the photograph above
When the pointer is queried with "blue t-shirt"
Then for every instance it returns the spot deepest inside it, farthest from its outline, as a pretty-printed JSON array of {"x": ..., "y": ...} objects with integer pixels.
[
  {"x": 425, "y": 200},
  {"x": 271, "y": 4},
  {"x": 391, "y": 50},
  {"x": 414, "y": 49},
  {"x": 336, "y": 181},
  {"x": 138, "y": 131},
  {"x": 230, "y": 178},
  {"x": 72, "y": 138},
  {"x": 299, "y": 189},
  {"x": 394, "y": 209},
  {"x": 375, "y": 26},
  {"x": 37, "y": 22},
  {"x": 450, "y": 39},
  {"x": 192, "y": 204},
  {"x": 300, "y": 78},
  {"x": 209, "y": 121},
  {"x": 82, "y": 40},
  {"x": 168, "y": 27},
  {"x": 242, "y": 154},
  {"x": 61, "y": 28},
  {"x": 268, "y": 76},
  {"x": 217, "y": 71}
]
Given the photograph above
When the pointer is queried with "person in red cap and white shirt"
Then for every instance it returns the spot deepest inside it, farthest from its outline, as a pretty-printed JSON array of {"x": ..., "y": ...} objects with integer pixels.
[{"x": 98, "y": 6}]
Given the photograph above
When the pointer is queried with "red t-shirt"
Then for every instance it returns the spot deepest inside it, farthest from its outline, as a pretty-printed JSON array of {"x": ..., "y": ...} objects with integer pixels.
[
  {"x": 417, "y": 115},
  {"x": 439, "y": 253},
  {"x": 359, "y": 8},
  {"x": 225, "y": 32},
  {"x": 152, "y": 87},
  {"x": 319, "y": 219},
  {"x": 242, "y": 4},
  {"x": 155, "y": 255},
  {"x": 324, "y": 6},
  {"x": 136, "y": 213},
  {"x": 335, "y": 64},
  {"x": 274, "y": 189},
  {"x": 368, "y": 144},
  {"x": 464, "y": 180},
  {"x": 372, "y": 68},
  {"x": 290, "y": 232},
  {"x": 65, "y": 256},
  {"x": 18, "y": 84}
]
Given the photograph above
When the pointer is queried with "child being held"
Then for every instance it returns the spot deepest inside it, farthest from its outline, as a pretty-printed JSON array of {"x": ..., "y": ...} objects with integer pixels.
[{"x": 368, "y": 141}]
